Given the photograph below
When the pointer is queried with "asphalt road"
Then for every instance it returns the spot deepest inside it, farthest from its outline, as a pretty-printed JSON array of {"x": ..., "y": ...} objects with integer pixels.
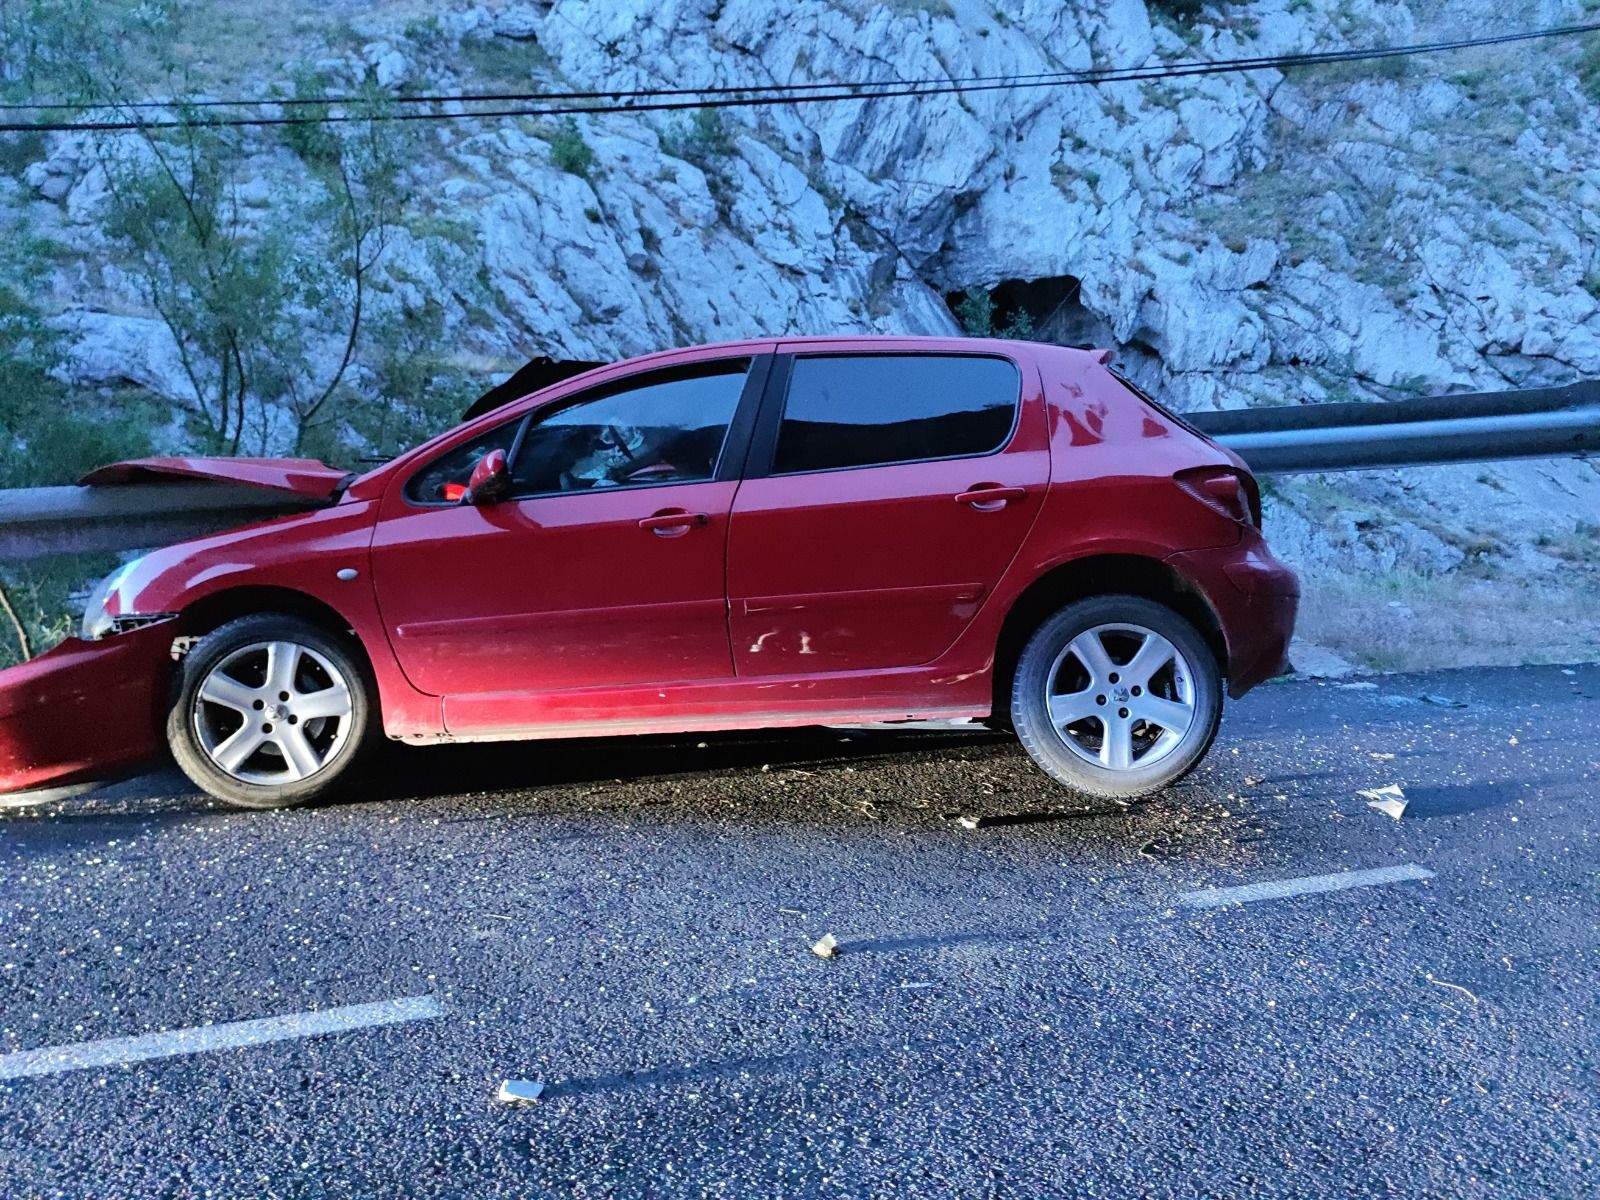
[{"x": 1028, "y": 1008}]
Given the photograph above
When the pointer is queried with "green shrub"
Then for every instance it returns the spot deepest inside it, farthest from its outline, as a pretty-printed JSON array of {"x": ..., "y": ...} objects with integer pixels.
[
  {"x": 1184, "y": 12},
  {"x": 316, "y": 143},
  {"x": 41, "y": 593},
  {"x": 1589, "y": 68},
  {"x": 18, "y": 151},
  {"x": 705, "y": 137},
  {"x": 976, "y": 312},
  {"x": 979, "y": 317},
  {"x": 569, "y": 152}
]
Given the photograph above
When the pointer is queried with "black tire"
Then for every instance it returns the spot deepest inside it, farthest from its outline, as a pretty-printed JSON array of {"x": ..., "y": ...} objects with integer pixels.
[
  {"x": 1047, "y": 651},
  {"x": 337, "y": 744}
]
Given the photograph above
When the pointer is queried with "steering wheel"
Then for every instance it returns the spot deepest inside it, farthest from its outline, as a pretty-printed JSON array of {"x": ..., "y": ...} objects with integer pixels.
[
  {"x": 660, "y": 470},
  {"x": 620, "y": 442}
]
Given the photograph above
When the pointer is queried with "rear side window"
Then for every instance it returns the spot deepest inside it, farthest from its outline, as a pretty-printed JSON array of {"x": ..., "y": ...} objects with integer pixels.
[{"x": 869, "y": 410}]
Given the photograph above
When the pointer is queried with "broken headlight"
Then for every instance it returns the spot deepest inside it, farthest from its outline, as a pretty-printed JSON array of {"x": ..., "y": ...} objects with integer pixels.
[{"x": 97, "y": 622}]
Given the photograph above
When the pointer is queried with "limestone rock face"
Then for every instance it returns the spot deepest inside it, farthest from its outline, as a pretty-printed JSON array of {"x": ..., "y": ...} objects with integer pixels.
[{"x": 1365, "y": 231}]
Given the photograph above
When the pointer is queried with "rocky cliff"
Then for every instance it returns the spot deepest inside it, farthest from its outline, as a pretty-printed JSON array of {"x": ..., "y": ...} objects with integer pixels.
[{"x": 1361, "y": 231}]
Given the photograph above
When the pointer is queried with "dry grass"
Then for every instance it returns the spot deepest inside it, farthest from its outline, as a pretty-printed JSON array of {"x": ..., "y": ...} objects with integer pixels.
[{"x": 1457, "y": 620}]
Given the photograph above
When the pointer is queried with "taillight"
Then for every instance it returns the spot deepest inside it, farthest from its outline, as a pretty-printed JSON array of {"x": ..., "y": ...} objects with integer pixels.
[{"x": 1232, "y": 493}]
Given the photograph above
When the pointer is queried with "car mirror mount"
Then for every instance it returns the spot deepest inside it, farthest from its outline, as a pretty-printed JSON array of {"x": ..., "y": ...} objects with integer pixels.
[{"x": 490, "y": 482}]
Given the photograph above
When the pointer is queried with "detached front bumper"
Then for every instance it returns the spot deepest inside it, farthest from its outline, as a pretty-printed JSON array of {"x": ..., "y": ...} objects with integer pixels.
[
  {"x": 85, "y": 710},
  {"x": 1255, "y": 598}
]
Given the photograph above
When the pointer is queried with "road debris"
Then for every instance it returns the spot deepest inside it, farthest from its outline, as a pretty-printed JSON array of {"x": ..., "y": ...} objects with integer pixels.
[
  {"x": 1252, "y": 781},
  {"x": 1381, "y": 755},
  {"x": 913, "y": 985},
  {"x": 1512, "y": 741},
  {"x": 1442, "y": 701},
  {"x": 519, "y": 1091},
  {"x": 1445, "y": 983},
  {"x": 827, "y": 946},
  {"x": 1160, "y": 847},
  {"x": 1389, "y": 800},
  {"x": 1358, "y": 685}
]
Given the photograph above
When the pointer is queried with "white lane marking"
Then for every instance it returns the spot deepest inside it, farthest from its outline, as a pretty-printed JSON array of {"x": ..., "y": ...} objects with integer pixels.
[
  {"x": 1277, "y": 889},
  {"x": 52, "y": 1060}
]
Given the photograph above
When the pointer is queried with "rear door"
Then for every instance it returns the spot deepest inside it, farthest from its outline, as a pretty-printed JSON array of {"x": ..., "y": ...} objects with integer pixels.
[{"x": 886, "y": 494}]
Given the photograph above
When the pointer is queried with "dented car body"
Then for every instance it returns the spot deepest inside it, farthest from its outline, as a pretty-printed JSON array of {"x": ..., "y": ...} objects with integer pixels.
[{"x": 757, "y": 534}]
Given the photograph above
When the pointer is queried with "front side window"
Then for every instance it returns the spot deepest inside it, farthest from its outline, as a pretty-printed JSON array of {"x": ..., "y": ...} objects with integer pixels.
[
  {"x": 444, "y": 480},
  {"x": 870, "y": 410},
  {"x": 664, "y": 427}
]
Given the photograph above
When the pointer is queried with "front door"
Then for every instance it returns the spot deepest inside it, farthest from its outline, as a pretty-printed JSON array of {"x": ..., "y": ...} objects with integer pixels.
[
  {"x": 900, "y": 488},
  {"x": 606, "y": 568}
]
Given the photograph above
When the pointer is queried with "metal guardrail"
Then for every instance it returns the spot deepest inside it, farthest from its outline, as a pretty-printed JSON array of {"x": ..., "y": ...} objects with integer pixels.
[
  {"x": 1473, "y": 427},
  {"x": 35, "y": 522},
  {"x": 1428, "y": 431}
]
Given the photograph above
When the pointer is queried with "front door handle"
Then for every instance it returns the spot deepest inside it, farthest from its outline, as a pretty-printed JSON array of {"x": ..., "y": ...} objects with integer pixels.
[
  {"x": 673, "y": 522},
  {"x": 990, "y": 497}
]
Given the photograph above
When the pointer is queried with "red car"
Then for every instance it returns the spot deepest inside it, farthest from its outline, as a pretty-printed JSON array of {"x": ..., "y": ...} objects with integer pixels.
[{"x": 759, "y": 534}]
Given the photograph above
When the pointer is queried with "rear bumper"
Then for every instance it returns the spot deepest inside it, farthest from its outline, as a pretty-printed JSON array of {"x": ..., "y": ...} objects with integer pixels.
[
  {"x": 84, "y": 710},
  {"x": 1255, "y": 598}
]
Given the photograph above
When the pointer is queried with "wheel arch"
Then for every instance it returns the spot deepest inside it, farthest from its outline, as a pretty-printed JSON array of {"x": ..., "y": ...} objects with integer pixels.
[
  {"x": 218, "y": 608},
  {"x": 1099, "y": 575}
]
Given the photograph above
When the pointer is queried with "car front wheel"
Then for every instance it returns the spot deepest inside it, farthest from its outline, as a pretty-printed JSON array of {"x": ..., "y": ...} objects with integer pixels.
[
  {"x": 271, "y": 711},
  {"x": 1116, "y": 696}
]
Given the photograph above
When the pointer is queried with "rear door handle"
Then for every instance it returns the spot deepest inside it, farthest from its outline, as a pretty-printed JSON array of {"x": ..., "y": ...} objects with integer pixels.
[
  {"x": 988, "y": 497},
  {"x": 673, "y": 522}
]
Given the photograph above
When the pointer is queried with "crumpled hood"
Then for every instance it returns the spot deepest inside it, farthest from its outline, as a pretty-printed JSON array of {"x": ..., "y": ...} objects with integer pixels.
[{"x": 305, "y": 477}]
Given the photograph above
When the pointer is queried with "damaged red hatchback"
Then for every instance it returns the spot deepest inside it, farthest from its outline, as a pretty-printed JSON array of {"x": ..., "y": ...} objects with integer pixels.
[{"x": 750, "y": 535}]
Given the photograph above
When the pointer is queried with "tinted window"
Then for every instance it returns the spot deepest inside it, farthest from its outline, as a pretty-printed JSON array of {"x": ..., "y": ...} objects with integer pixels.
[
  {"x": 860, "y": 411},
  {"x": 665, "y": 427}
]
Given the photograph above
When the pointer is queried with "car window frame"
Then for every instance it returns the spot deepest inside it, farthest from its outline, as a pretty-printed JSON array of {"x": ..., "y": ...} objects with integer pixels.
[
  {"x": 730, "y": 457},
  {"x": 764, "y": 442}
]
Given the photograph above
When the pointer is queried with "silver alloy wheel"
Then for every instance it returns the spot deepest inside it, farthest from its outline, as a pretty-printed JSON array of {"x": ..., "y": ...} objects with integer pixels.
[
  {"x": 1120, "y": 696},
  {"x": 273, "y": 713}
]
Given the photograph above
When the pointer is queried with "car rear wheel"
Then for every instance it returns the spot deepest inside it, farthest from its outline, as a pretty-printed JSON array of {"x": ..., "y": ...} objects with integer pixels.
[
  {"x": 271, "y": 711},
  {"x": 1116, "y": 696}
]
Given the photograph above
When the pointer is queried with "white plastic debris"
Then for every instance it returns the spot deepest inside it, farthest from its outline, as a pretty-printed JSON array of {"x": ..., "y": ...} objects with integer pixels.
[
  {"x": 827, "y": 946},
  {"x": 1389, "y": 800},
  {"x": 519, "y": 1091}
]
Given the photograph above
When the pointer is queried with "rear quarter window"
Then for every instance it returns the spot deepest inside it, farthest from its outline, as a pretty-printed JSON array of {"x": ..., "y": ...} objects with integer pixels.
[{"x": 846, "y": 410}]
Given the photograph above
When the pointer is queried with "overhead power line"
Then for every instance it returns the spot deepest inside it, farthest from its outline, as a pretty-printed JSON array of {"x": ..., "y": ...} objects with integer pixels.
[{"x": 547, "y": 104}]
